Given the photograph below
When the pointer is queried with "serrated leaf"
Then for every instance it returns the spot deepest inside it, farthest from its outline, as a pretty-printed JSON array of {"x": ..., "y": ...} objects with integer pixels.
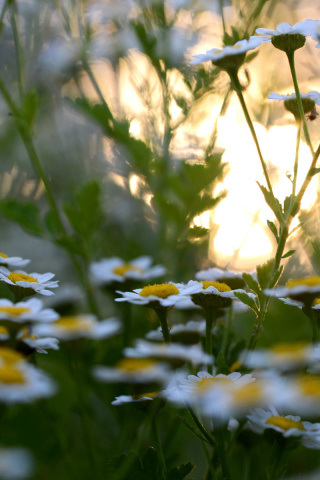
[
  {"x": 275, "y": 278},
  {"x": 273, "y": 203},
  {"x": 251, "y": 282},
  {"x": 264, "y": 273},
  {"x": 198, "y": 232},
  {"x": 288, "y": 254},
  {"x": 180, "y": 472},
  {"x": 26, "y": 214},
  {"x": 273, "y": 229},
  {"x": 145, "y": 466},
  {"x": 247, "y": 300}
]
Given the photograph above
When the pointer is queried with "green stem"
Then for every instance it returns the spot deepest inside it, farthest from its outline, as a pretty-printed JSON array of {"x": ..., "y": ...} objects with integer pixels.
[
  {"x": 290, "y": 56},
  {"x": 237, "y": 87},
  {"x": 159, "y": 448},
  {"x": 162, "y": 314},
  {"x": 219, "y": 436},
  {"x": 311, "y": 314},
  {"x": 26, "y": 137},
  {"x": 202, "y": 429},
  {"x": 295, "y": 168},
  {"x": 227, "y": 331},
  {"x": 209, "y": 313},
  {"x": 222, "y": 16},
  {"x": 18, "y": 48}
]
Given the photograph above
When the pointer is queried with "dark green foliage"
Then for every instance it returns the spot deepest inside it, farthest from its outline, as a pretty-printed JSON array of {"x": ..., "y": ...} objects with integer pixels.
[{"x": 25, "y": 213}]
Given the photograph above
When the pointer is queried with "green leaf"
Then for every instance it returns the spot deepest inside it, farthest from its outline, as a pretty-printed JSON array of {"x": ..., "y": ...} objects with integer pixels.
[
  {"x": 52, "y": 225},
  {"x": 180, "y": 472},
  {"x": 85, "y": 212},
  {"x": 273, "y": 202},
  {"x": 264, "y": 273},
  {"x": 26, "y": 214},
  {"x": 73, "y": 244},
  {"x": 132, "y": 466},
  {"x": 247, "y": 300},
  {"x": 251, "y": 282},
  {"x": 198, "y": 232},
  {"x": 273, "y": 229},
  {"x": 288, "y": 254}
]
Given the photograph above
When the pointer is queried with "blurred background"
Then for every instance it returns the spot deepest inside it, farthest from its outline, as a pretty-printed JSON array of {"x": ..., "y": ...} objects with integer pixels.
[{"x": 164, "y": 114}]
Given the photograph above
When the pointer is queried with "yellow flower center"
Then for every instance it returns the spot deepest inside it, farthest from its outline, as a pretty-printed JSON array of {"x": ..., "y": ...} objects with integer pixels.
[
  {"x": 235, "y": 366},
  {"x": 148, "y": 395},
  {"x": 290, "y": 350},
  {"x": 284, "y": 423},
  {"x": 14, "y": 310},
  {"x": 24, "y": 333},
  {"x": 209, "y": 382},
  {"x": 126, "y": 268},
  {"x": 161, "y": 290},
  {"x": 3, "y": 330},
  {"x": 310, "y": 385},
  {"x": 9, "y": 356},
  {"x": 73, "y": 323},
  {"x": 248, "y": 394},
  {"x": 315, "y": 302},
  {"x": 221, "y": 287},
  {"x": 21, "y": 277},
  {"x": 236, "y": 47},
  {"x": 135, "y": 364},
  {"x": 307, "y": 281},
  {"x": 3, "y": 255},
  {"x": 11, "y": 375}
]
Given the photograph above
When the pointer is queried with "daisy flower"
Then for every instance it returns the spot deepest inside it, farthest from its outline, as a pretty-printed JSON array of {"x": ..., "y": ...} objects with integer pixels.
[
  {"x": 7, "y": 261},
  {"x": 79, "y": 326},
  {"x": 284, "y": 356},
  {"x": 288, "y": 37},
  {"x": 40, "y": 345},
  {"x": 289, "y": 425},
  {"x": 232, "y": 279},
  {"x": 308, "y": 100},
  {"x": 213, "y": 294},
  {"x": 143, "y": 397},
  {"x": 188, "y": 333},
  {"x": 23, "y": 284},
  {"x": 158, "y": 295},
  {"x": 22, "y": 383},
  {"x": 115, "y": 269},
  {"x": 176, "y": 354},
  {"x": 15, "y": 463},
  {"x": 230, "y": 56},
  {"x": 313, "y": 95},
  {"x": 134, "y": 370},
  {"x": 303, "y": 290},
  {"x": 28, "y": 311}
]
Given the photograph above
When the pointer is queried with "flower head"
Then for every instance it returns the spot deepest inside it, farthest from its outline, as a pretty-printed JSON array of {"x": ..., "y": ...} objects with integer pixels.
[
  {"x": 212, "y": 294},
  {"x": 232, "y": 279},
  {"x": 303, "y": 290},
  {"x": 7, "y": 261},
  {"x": 15, "y": 463},
  {"x": 115, "y": 269},
  {"x": 308, "y": 100},
  {"x": 79, "y": 326},
  {"x": 288, "y": 37},
  {"x": 188, "y": 333},
  {"x": 143, "y": 397},
  {"x": 288, "y": 425},
  {"x": 230, "y": 56},
  {"x": 28, "y": 311},
  {"x": 157, "y": 295},
  {"x": 24, "y": 284}
]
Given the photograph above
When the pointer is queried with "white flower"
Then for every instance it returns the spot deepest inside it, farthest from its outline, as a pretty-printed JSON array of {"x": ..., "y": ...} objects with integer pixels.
[
  {"x": 191, "y": 330},
  {"x": 144, "y": 397},
  {"x": 21, "y": 382},
  {"x": 215, "y": 287},
  {"x": 296, "y": 289},
  {"x": 216, "y": 54},
  {"x": 12, "y": 261},
  {"x": 170, "y": 352},
  {"x": 115, "y": 269},
  {"x": 15, "y": 463},
  {"x": 289, "y": 426},
  {"x": 284, "y": 356},
  {"x": 134, "y": 370},
  {"x": 215, "y": 274},
  {"x": 40, "y": 345},
  {"x": 35, "y": 281},
  {"x": 306, "y": 27},
  {"x": 79, "y": 326},
  {"x": 27, "y": 311},
  {"x": 164, "y": 294},
  {"x": 313, "y": 95}
]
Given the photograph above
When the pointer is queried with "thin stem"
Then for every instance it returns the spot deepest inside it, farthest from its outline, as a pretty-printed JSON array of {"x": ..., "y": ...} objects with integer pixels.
[
  {"x": 159, "y": 448},
  {"x": 202, "y": 429},
  {"x": 290, "y": 56},
  {"x": 209, "y": 313},
  {"x": 162, "y": 314},
  {"x": 237, "y": 87},
  {"x": 219, "y": 435},
  {"x": 227, "y": 331},
  {"x": 295, "y": 168},
  {"x": 222, "y": 16},
  {"x": 18, "y": 48}
]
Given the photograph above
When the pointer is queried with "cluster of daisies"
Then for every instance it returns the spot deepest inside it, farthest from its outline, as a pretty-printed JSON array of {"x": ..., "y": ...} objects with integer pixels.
[
  {"x": 282, "y": 379},
  {"x": 285, "y": 37}
]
